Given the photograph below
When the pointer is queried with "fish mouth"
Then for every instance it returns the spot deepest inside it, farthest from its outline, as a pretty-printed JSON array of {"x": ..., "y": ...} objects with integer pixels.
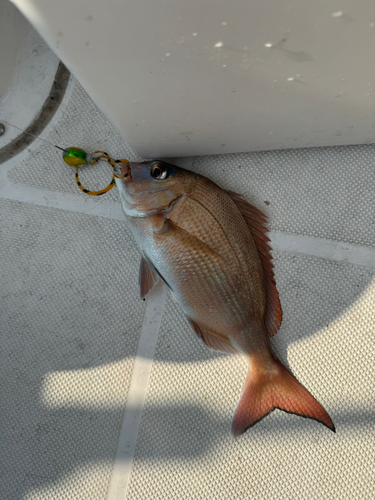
[
  {"x": 126, "y": 171},
  {"x": 129, "y": 201},
  {"x": 131, "y": 193}
]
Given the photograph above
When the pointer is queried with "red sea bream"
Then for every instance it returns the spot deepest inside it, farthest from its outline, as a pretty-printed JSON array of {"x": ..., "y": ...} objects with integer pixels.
[{"x": 210, "y": 247}]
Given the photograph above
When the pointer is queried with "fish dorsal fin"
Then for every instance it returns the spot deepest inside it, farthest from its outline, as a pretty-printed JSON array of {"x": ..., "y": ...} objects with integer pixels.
[
  {"x": 212, "y": 339},
  {"x": 147, "y": 278},
  {"x": 256, "y": 222}
]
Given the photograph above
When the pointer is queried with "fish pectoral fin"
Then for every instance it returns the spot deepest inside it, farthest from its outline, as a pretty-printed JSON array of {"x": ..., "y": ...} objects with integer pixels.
[
  {"x": 212, "y": 339},
  {"x": 256, "y": 222},
  {"x": 161, "y": 224},
  {"x": 188, "y": 241},
  {"x": 147, "y": 277}
]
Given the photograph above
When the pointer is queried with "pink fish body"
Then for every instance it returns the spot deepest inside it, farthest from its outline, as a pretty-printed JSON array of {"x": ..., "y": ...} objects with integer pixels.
[{"x": 209, "y": 247}]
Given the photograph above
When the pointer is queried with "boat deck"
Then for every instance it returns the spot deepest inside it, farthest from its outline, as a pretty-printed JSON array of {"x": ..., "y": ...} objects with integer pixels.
[{"x": 104, "y": 396}]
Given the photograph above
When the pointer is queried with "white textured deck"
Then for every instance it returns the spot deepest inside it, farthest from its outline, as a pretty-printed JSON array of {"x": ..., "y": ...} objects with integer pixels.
[{"x": 97, "y": 403}]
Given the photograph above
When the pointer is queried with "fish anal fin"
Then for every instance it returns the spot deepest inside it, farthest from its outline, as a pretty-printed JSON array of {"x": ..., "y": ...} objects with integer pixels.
[
  {"x": 214, "y": 340},
  {"x": 256, "y": 222},
  {"x": 147, "y": 277},
  {"x": 263, "y": 392}
]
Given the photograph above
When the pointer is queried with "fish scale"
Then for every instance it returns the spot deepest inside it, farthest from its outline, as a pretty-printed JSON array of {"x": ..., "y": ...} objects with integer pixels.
[{"x": 230, "y": 237}]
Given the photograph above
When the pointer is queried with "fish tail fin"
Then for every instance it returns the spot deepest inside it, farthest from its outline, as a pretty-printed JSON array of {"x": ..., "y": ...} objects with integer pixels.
[{"x": 277, "y": 388}]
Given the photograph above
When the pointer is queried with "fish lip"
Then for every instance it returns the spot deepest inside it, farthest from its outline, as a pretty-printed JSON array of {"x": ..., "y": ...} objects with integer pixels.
[{"x": 126, "y": 171}]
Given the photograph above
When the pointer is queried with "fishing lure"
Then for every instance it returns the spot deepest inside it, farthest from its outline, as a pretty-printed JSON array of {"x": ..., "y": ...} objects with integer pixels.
[{"x": 77, "y": 157}]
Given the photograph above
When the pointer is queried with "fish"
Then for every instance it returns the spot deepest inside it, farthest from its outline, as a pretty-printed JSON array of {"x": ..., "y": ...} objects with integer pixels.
[{"x": 210, "y": 247}]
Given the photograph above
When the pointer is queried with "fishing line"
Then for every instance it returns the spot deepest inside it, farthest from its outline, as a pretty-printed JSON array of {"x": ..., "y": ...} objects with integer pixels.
[
  {"x": 36, "y": 137},
  {"x": 77, "y": 157}
]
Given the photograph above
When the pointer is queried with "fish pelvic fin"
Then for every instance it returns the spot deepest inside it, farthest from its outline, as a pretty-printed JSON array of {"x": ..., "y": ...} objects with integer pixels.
[
  {"x": 265, "y": 390},
  {"x": 147, "y": 278}
]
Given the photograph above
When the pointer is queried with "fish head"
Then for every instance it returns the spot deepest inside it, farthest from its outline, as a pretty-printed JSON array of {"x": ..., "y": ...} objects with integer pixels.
[{"x": 152, "y": 187}]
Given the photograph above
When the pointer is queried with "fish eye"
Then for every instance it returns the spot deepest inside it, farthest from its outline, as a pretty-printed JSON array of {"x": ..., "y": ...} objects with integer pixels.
[{"x": 159, "y": 171}]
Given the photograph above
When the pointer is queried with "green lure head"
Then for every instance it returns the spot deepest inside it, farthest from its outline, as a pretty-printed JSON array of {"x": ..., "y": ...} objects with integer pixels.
[{"x": 75, "y": 157}]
